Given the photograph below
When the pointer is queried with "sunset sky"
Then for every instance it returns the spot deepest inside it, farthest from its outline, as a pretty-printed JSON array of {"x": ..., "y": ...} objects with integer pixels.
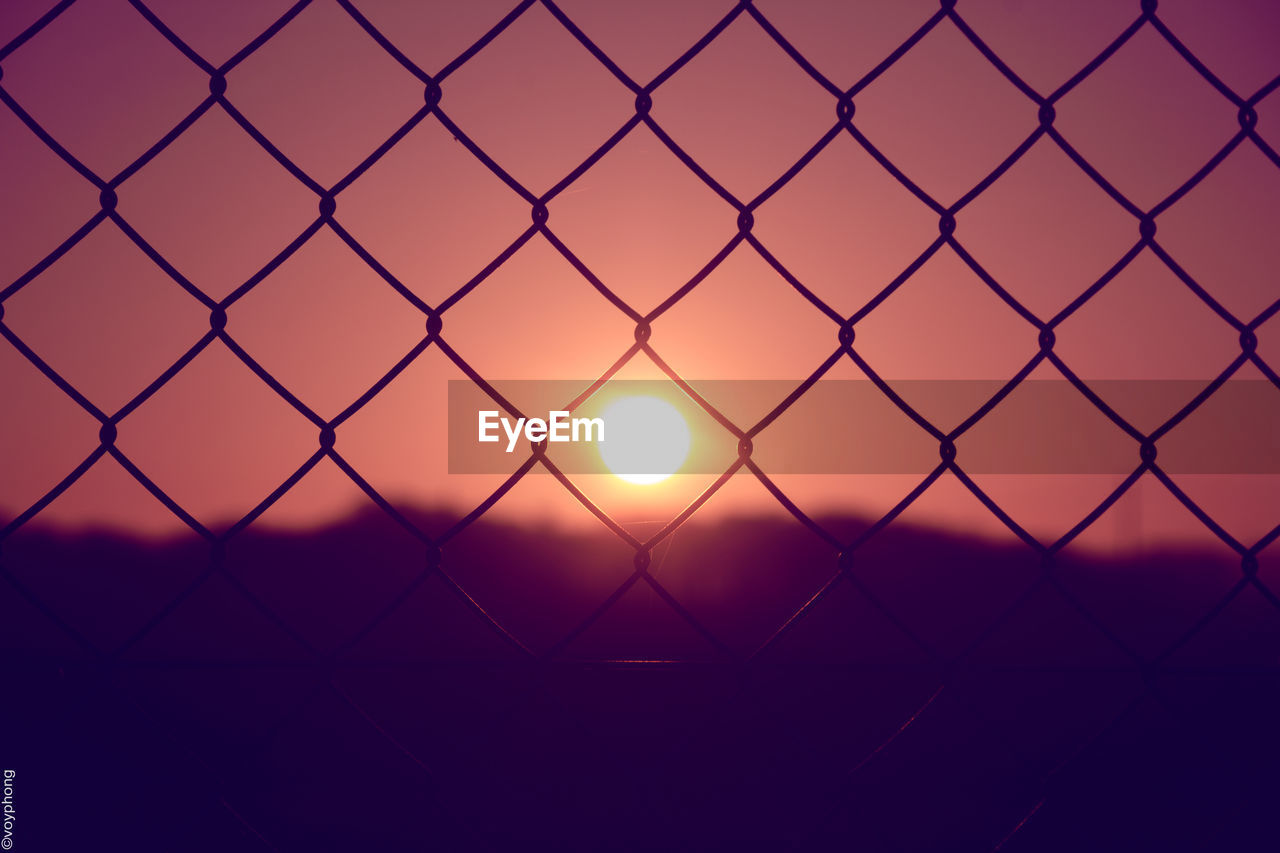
[{"x": 106, "y": 85}]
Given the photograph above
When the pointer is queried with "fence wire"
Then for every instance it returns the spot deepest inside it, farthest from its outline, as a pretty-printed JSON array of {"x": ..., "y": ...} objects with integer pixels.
[{"x": 1041, "y": 114}]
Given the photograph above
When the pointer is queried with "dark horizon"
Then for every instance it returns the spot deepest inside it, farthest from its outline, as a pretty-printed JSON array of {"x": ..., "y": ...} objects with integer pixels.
[{"x": 641, "y": 713}]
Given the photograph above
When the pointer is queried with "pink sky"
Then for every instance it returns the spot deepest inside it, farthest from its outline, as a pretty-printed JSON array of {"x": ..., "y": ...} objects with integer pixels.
[{"x": 106, "y": 85}]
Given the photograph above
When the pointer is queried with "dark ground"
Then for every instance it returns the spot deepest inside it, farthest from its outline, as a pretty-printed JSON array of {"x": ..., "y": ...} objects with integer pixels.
[{"x": 945, "y": 696}]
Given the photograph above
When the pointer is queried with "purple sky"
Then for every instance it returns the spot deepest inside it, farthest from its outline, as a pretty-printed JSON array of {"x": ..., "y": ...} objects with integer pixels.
[{"x": 106, "y": 85}]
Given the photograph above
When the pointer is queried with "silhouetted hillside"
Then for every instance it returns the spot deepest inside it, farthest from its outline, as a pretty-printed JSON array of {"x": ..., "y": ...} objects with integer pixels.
[{"x": 327, "y": 690}]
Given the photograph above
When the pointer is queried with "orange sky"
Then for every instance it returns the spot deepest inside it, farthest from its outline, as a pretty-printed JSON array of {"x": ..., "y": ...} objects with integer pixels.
[{"x": 106, "y": 85}]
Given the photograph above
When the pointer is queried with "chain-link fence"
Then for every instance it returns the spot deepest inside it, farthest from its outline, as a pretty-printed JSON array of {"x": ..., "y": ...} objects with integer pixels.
[{"x": 738, "y": 679}]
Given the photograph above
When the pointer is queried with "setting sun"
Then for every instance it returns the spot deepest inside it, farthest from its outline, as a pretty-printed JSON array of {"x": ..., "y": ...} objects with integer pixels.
[{"x": 646, "y": 440}]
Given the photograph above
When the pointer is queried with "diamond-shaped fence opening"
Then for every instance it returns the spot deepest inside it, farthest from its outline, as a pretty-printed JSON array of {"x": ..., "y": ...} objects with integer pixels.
[{"x": 519, "y": 127}]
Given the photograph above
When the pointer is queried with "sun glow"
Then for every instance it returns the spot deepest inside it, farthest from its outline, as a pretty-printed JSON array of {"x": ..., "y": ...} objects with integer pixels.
[{"x": 646, "y": 440}]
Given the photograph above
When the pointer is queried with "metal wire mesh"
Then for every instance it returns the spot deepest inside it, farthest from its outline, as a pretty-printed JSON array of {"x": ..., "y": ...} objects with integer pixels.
[{"x": 435, "y": 550}]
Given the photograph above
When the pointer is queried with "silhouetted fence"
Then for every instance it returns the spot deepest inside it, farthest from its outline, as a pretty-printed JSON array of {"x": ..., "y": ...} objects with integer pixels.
[{"x": 435, "y": 550}]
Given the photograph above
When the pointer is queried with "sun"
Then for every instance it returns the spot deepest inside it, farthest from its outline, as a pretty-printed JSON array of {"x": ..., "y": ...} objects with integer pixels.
[{"x": 646, "y": 439}]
